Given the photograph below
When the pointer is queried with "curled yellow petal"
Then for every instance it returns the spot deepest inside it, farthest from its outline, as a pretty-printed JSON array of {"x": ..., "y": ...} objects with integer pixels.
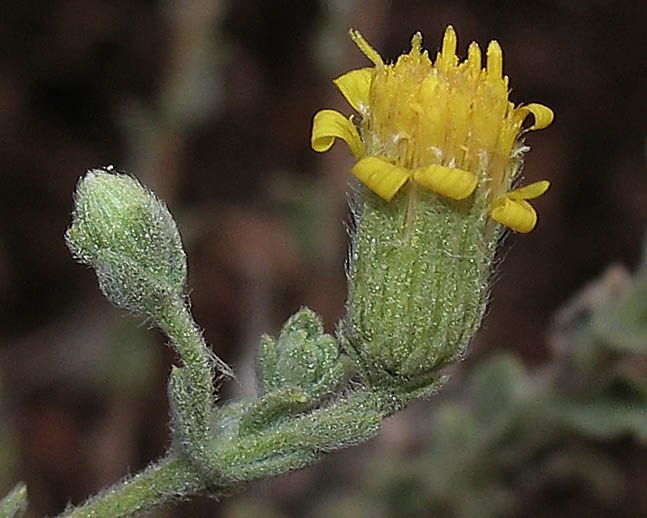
[
  {"x": 543, "y": 115},
  {"x": 329, "y": 125},
  {"x": 448, "y": 181},
  {"x": 519, "y": 215},
  {"x": 529, "y": 192},
  {"x": 355, "y": 87},
  {"x": 380, "y": 176}
]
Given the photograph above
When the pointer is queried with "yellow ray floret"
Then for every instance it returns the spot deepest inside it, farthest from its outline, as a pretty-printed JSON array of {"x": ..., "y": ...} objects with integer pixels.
[
  {"x": 448, "y": 181},
  {"x": 543, "y": 115},
  {"x": 329, "y": 125},
  {"x": 355, "y": 86},
  {"x": 512, "y": 210},
  {"x": 383, "y": 178}
]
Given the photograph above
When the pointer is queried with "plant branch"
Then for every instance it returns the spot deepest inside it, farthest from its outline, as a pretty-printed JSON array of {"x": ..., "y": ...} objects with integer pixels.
[
  {"x": 294, "y": 444},
  {"x": 170, "y": 479}
]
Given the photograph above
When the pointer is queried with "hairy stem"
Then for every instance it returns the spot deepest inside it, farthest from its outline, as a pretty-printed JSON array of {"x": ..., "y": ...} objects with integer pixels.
[
  {"x": 168, "y": 480},
  {"x": 177, "y": 323},
  {"x": 300, "y": 440},
  {"x": 191, "y": 389},
  {"x": 296, "y": 443}
]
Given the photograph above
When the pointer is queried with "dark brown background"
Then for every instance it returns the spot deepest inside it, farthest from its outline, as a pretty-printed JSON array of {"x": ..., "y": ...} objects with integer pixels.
[{"x": 210, "y": 104}]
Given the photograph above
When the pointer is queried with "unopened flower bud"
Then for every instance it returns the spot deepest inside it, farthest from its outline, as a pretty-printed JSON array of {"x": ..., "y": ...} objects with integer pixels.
[{"x": 123, "y": 231}]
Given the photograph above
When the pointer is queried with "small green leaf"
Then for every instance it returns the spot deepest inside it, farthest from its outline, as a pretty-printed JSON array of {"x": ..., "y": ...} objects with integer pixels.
[{"x": 272, "y": 407}]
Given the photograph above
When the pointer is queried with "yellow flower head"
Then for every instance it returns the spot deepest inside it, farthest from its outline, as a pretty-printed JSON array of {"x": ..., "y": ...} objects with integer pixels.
[{"x": 446, "y": 125}]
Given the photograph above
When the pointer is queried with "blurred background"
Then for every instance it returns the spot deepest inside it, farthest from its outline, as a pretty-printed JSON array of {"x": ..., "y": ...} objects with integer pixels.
[{"x": 210, "y": 104}]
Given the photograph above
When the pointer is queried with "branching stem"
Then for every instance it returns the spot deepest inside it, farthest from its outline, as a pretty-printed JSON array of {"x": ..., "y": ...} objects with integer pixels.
[{"x": 300, "y": 441}]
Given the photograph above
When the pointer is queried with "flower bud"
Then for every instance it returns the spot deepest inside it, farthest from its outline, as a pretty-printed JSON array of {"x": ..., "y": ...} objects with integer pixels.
[
  {"x": 304, "y": 357},
  {"x": 123, "y": 231}
]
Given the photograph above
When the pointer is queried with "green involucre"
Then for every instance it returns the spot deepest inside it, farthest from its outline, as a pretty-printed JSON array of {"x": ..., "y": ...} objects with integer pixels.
[{"x": 419, "y": 272}]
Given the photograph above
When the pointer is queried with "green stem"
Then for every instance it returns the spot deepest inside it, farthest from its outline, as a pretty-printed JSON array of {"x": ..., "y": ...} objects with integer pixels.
[
  {"x": 191, "y": 389},
  {"x": 298, "y": 442},
  {"x": 169, "y": 479},
  {"x": 178, "y": 324}
]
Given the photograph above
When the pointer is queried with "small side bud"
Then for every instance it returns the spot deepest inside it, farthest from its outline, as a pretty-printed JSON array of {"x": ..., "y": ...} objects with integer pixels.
[
  {"x": 304, "y": 357},
  {"x": 123, "y": 231}
]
